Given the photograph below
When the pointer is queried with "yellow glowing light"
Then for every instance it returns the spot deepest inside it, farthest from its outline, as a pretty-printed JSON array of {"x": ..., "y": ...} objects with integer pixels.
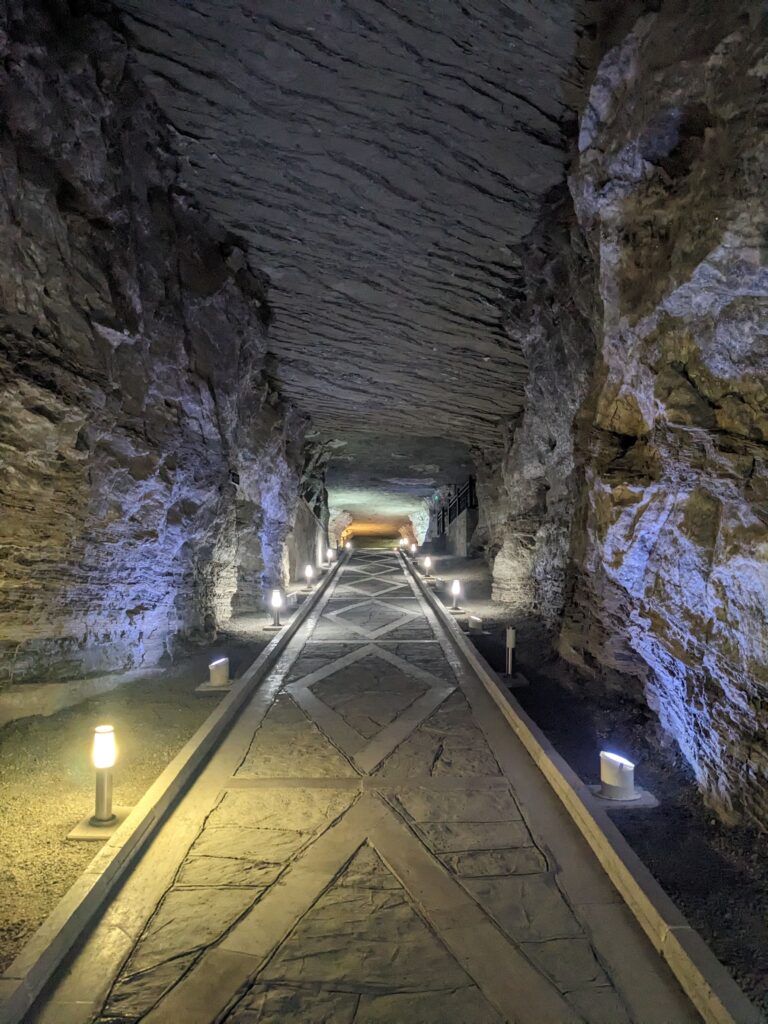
[
  {"x": 455, "y": 588},
  {"x": 277, "y": 599},
  {"x": 104, "y": 746},
  {"x": 348, "y": 545}
]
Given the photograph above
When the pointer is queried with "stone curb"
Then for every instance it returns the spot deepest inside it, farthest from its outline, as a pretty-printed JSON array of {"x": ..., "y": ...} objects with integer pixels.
[
  {"x": 705, "y": 981},
  {"x": 24, "y": 980}
]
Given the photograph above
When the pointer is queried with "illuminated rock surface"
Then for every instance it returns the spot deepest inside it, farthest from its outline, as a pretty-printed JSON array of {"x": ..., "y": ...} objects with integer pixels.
[
  {"x": 636, "y": 486},
  {"x": 405, "y": 225},
  {"x": 149, "y": 472}
]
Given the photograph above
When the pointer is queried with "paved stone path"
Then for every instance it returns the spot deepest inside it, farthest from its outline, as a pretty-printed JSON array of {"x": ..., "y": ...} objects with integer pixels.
[{"x": 370, "y": 845}]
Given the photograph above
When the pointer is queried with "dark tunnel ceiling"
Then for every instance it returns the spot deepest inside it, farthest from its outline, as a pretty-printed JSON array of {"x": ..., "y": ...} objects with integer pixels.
[{"x": 384, "y": 162}]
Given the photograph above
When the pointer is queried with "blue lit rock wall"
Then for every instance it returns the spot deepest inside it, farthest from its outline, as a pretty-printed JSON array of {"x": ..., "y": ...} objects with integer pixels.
[
  {"x": 628, "y": 519},
  {"x": 672, "y": 549},
  {"x": 149, "y": 474},
  {"x": 527, "y": 503}
]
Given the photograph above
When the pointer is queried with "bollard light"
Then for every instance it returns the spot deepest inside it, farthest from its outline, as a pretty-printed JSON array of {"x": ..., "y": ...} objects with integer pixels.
[
  {"x": 511, "y": 644},
  {"x": 277, "y": 603},
  {"x": 402, "y": 542},
  {"x": 413, "y": 550},
  {"x": 105, "y": 818},
  {"x": 427, "y": 565},
  {"x": 309, "y": 572},
  {"x": 218, "y": 673},
  {"x": 329, "y": 555},
  {"x": 617, "y": 777},
  {"x": 104, "y": 756},
  {"x": 348, "y": 545},
  {"x": 455, "y": 591}
]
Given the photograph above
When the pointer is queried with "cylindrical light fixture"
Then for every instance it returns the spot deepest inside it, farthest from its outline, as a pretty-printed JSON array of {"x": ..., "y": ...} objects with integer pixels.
[
  {"x": 455, "y": 591},
  {"x": 218, "y": 672},
  {"x": 427, "y": 565},
  {"x": 277, "y": 603},
  {"x": 348, "y": 545},
  {"x": 330, "y": 554},
  {"x": 413, "y": 549},
  {"x": 511, "y": 644},
  {"x": 104, "y": 755},
  {"x": 617, "y": 777},
  {"x": 309, "y": 572}
]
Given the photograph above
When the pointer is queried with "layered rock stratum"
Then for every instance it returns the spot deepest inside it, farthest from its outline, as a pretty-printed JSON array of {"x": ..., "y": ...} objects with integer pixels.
[
  {"x": 149, "y": 469},
  {"x": 634, "y": 527}
]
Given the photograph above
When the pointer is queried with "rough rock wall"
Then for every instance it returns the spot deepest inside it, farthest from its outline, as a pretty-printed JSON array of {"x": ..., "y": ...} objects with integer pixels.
[
  {"x": 672, "y": 558},
  {"x": 635, "y": 490},
  {"x": 306, "y": 544},
  {"x": 527, "y": 504},
  {"x": 148, "y": 471}
]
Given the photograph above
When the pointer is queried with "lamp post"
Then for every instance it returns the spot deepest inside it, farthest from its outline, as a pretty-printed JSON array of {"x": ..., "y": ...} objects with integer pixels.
[
  {"x": 348, "y": 545},
  {"x": 455, "y": 591},
  {"x": 309, "y": 572},
  {"x": 427, "y": 567},
  {"x": 511, "y": 644},
  {"x": 104, "y": 755},
  {"x": 331, "y": 556},
  {"x": 276, "y": 601},
  {"x": 105, "y": 818},
  {"x": 413, "y": 550}
]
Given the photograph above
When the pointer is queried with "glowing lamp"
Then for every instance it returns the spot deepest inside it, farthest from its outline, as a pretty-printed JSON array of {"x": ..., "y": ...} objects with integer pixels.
[
  {"x": 455, "y": 591},
  {"x": 413, "y": 549},
  {"x": 402, "y": 542},
  {"x": 617, "y": 777},
  {"x": 309, "y": 572},
  {"x": 218, "y": 672},
  {"x": 427, "y": 565},
  {"x": 511, "y": 644},
  {"x": 276, "y": 602},
  {"x": 104, "y": 756},
  {"x": 348, "y": 545},
  {"x": 104, "y": 747},
  {"x": 329, "y": 555}
]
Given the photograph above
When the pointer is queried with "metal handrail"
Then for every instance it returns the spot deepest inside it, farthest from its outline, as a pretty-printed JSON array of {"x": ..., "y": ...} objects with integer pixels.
[{"x": 465, "y": 498}]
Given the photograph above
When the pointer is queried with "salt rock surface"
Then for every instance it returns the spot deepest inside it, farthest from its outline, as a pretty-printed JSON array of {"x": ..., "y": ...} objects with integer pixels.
[
  {"x": 149, "y": 472},
  {"x": 630, "y": 524}
]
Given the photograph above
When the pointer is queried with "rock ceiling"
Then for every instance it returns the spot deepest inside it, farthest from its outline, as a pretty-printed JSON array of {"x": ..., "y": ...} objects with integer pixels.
[{"x": 384, "y": 161}]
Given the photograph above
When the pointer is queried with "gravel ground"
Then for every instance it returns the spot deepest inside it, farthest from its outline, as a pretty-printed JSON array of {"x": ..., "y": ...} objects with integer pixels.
[{"x": 46, "y": 779}]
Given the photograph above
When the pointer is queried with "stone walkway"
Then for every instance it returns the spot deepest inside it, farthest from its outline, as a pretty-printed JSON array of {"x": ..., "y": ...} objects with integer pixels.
[{"x": 370, "y": 845}]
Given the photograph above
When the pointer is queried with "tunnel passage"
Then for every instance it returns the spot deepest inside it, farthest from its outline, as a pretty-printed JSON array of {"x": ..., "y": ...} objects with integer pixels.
[{"x": 280, "y": 275}]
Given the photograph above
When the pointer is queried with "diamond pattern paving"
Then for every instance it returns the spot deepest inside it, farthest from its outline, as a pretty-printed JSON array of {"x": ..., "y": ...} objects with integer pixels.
[
  {"x": 372, "y": 619},
  {"x": 375, "y": 855},
  {"x": 369, "y": 694}
]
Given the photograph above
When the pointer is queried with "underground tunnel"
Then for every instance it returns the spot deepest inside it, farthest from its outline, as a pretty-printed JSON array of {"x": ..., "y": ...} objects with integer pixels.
[{"x": 384, "y": 493}]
